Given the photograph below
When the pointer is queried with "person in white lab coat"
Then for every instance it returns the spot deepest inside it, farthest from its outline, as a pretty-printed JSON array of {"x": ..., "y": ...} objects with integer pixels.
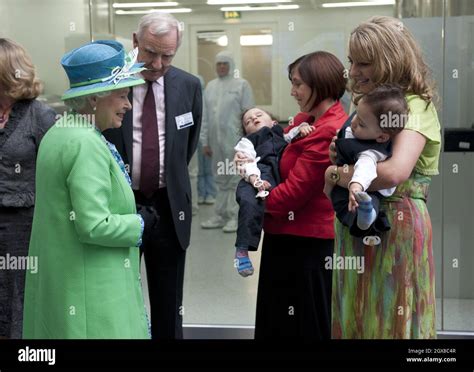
[{"x": 226, "y": 98}]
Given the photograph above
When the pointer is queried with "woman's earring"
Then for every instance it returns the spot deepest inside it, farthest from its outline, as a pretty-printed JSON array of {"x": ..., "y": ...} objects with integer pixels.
[{"x": 94, "y": 108}]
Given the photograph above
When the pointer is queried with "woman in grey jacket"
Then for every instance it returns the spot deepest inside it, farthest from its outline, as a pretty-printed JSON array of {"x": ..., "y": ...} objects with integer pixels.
[{"x": 23, "y": 122}]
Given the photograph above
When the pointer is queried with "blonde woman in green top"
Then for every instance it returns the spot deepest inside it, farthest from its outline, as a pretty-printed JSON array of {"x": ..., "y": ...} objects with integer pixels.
[{"x": 394, "y": 296}]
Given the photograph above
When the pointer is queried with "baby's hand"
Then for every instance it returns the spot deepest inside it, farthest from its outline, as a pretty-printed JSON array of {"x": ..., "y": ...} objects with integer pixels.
[
  {"x": 239, "y": 160},
  {"x": 353, "y": 188},
  {"x": 305, "y": 129},
  {"x": 261, "y": 185}
]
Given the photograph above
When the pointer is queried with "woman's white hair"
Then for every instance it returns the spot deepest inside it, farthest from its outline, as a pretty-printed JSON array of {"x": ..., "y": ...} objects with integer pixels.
[
  {"x": 79, "y": 103},
  {"x": 159, "y": 23}
]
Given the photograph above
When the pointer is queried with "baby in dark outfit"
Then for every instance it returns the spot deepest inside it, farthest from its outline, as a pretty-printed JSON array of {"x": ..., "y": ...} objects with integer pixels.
[
  {"x": 264, "y": 142},
  {"x": 364, "y": 141}
]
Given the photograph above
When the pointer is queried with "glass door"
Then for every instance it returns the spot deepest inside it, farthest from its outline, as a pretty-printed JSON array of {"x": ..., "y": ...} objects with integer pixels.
[
  {"x": 458, "y": 167},
  {"x": 252, "y": 48}
]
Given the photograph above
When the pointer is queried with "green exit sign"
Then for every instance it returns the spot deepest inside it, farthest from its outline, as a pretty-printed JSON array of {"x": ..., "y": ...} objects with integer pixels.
[{"x": 232, "y": 15}]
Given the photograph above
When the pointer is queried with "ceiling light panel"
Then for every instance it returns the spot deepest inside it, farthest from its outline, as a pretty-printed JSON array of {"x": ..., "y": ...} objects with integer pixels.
[
  {"x": 143, "y": 5},
  {"x": 358, "y": 3},
  {"x": 254, "y": 8},
  {"x": 173, "y": 10},
  {"x": 239, "y": 2}
]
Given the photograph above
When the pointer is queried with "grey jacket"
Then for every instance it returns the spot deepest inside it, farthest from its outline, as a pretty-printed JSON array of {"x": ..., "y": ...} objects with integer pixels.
[{"x": 19, "y": 141}]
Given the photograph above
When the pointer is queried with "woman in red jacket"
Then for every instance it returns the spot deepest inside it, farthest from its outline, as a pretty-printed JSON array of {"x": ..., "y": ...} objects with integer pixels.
[{"x": 294, "y": 290}]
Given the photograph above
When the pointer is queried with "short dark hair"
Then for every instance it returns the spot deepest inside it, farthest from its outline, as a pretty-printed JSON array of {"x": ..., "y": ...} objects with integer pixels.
[
  {"x": 388, "y": 104},
  {"x": 324, "y": 73}
]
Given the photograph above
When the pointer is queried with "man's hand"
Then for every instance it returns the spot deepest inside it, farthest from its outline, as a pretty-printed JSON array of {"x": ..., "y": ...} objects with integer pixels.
[
  {"x": 207, "y": 151},
  {"x": 353, "y": 188}
]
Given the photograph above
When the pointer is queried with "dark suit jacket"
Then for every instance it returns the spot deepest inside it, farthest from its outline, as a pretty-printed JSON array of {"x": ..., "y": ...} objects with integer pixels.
[{"x": 182, "y": 95}]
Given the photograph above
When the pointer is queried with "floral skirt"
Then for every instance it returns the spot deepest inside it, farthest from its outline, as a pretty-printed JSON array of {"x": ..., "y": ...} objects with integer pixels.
[{"x": 394, "y": 296}]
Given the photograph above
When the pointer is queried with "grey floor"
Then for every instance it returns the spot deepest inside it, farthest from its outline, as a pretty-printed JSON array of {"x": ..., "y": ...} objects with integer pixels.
[
  {"x": 215, "y": 295},
  {"x": 458, "y": 314}
]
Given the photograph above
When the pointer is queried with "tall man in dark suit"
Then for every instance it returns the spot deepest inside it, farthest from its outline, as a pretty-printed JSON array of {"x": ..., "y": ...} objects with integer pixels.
[{"x": 157, "y": 140}]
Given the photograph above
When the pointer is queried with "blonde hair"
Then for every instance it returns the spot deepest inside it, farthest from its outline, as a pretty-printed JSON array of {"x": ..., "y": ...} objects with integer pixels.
[
  {"x": 17, "y": 73},
  {"x": 386, "y": 43}
]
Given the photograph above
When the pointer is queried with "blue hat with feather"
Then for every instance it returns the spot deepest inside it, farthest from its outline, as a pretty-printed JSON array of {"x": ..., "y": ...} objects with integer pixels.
[{"x": 100, "y": 66}]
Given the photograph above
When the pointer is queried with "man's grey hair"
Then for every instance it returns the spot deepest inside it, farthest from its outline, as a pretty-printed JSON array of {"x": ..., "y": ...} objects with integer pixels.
[
  {"x": 159, "y": 23},
  {"x": 78, "y": 103}
]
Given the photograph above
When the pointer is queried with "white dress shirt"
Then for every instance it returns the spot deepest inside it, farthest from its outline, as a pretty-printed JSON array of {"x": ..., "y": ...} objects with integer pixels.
[{"x": 139, "y": 93}]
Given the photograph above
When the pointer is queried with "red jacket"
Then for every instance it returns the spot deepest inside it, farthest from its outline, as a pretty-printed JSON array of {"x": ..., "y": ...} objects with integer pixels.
[{"x": 298, "y": 206}]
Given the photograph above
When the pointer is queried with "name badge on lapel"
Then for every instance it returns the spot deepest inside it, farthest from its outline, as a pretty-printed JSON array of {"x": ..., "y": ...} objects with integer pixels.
[{"x": 184, "y": 121}]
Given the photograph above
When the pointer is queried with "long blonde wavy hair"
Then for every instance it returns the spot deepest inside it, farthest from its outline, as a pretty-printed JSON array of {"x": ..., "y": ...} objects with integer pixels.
[
  {"x": 388, "y": 45},
  {"x": 17, "y": 73}
]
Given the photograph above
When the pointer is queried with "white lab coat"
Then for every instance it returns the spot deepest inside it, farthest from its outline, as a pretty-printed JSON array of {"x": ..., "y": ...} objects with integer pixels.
[{"x": 225, "y": 99}]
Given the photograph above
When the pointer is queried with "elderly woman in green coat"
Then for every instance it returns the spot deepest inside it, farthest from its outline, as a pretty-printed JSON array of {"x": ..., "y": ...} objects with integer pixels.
[{"x": 86, "y": 230}]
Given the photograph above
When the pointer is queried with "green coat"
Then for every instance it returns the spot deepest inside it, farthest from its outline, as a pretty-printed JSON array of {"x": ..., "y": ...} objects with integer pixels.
[{"x": 85, "y": 234}]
